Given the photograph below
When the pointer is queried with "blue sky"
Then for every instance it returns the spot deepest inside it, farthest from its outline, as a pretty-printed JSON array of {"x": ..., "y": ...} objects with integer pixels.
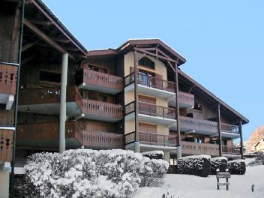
[{"x": 222, "y": 41}]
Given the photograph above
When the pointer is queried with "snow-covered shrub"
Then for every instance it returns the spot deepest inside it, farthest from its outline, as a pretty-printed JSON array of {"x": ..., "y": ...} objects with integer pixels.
[
  {"x": 218, "y": 163},
  {"x": 154, "y": 154},
  {"x": 23, "y": 188},
  {"x": 194, "y": 165},
  {"x": 237, "y": 167},
  {"x": 153, "y": 172},
  {"x": 88, "y": 173}
]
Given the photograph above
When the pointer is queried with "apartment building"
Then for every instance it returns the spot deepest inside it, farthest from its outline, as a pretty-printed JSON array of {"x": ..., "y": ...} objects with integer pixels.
[{"x": 55, "y": 95}]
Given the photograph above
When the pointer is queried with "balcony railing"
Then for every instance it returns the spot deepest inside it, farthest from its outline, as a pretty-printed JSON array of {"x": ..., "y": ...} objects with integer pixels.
[
  {"x": 102, "y": 140},
  {"x": 150, "y": 109},
  {"x": 102, "y": 109},
  {"x": 186, "y": 98},
  {"x": 192, "y": 148},
  {"x": 47, "y": 131},
  {"x": 6, "y": 145},
  {"x": 230, "y": 149},
  {"x": 102, "y": 79},
  {"x": 8, "y": 78},
  {"x": 198, "y": 124},
  {"x": 151, "y": 139},
  {"x": 230, "y": 128},
  {"x": 48, "y": 95},
  {"x": 150, "y": 81}
]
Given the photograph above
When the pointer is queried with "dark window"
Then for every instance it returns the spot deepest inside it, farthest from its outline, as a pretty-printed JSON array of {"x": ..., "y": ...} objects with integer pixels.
[
  {"x": 49, "y": 76},
  {"x": 146, "y": 62}
]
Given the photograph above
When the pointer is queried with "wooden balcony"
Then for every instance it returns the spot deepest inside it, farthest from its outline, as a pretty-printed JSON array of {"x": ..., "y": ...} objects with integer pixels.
[
  {"x": 102, "y": 140},
  {"x": 152, "y": 139},
  {"x": 151, "y": 113},
  {"x": 97, "y": 81},
  {"x": 198, "y": 125},
  {"x": 8, "y": 83},
  {"x": 47, "y": 101},
  {"x": 192, "y": 148},
  {"x": 230, "y": 131},
  {"x": 186, "y": 100},
  {"x": 150, "y": 86},
  {"x": 6, "y": 145},
  {"x": 97, "y": 110},
  {"x": 47, "y": 135}
]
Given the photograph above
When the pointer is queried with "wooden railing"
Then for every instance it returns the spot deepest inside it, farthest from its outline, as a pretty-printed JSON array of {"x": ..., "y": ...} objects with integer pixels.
[
  {"x": 192, "y": 148},
  {"x": 6, "y": 145},
  {"x": 47, "y": 131},
  {"x": 198, "y": 124},
  {"x": 229, "y": 128},
  {"x": 102, "y": 109},
  {"x": 8, "y": 78},
  {"x": 102, "y": 79},
  {"x": 48, "y": 95},
  {"x": 150, "y": 109},
  {"x": 102, "y": 140},
  {"x": 150, "y": 81},
  {"x": 230, "y": 149},
  {"x": 186, "y": 98},
  {"x": 151, "y": 139}
]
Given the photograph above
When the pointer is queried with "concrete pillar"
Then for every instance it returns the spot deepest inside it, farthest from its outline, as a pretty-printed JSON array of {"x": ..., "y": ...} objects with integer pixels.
[
  {"x": 179, "y": 152},
  {"x": 167, "y": 156},
  {"x": 63, "y": 116},
  {"x": 4, "y": 186},
  {"x": 137, "y": 147}
]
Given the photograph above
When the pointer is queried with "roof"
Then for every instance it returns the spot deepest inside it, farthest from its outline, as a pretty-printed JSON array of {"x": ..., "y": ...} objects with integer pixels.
[
  {"x": 140, "y": 43},
  {"x": 212, "y": 99},
  {"x": 42, "y": 29}
]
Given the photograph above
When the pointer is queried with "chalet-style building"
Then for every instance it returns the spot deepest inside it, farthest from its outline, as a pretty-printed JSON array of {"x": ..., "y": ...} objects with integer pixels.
[{"x": 56, "y": 95}]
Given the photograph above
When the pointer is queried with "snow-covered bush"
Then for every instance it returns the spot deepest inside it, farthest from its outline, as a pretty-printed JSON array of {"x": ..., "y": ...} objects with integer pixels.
[
  {"x": 237, "y": 167},
  {"x": 153, "y": 172},
  {"x": 194, "y": 165},
  {"x": 89, "y": 173},
  {"x": 218, "y": 163}
]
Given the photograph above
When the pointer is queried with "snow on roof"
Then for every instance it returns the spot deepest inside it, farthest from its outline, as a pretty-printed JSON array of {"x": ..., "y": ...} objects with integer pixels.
[
  {"x": 150, "y": 153},
  {"x": 197, "y": 156},
  {"x": 218, "y": 158}
]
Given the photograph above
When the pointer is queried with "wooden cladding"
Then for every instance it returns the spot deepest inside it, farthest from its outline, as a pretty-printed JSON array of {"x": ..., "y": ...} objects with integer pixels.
[
  {"x": 102, "y": 140},
  {"x": 102, "y": 109},
  {"x": 8, "y": 79},
  {"x": 102, "y": 79},
  {"x": 6, "y": 145}
]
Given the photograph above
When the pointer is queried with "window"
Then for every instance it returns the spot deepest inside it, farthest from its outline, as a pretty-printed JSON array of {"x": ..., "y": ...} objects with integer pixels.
[
  {"x": 103, "y": 98},
  {"x": 49, "y": 76},
  {"x": 146, "y": 62}
]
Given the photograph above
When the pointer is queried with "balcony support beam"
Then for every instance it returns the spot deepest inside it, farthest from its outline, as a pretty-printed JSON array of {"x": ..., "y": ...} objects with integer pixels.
[
  {"x": 63, "y": 116},
  {"x": 241, "y": 140},
  {"x": 219, "y": 130},
  {"x": 179, "y": 150},
  {"x": 136, "y": 96}
]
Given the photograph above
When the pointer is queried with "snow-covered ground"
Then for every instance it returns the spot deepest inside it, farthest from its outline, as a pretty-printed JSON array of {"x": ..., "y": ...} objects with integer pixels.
[{"x": 189, "y": 186}]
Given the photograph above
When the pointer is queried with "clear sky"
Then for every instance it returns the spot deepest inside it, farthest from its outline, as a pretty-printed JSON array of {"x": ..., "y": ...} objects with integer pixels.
[{"x": 222, "y": 41}]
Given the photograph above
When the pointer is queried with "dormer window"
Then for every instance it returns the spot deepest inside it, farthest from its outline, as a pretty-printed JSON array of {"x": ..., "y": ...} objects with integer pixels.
[{"x": 146, "y": 62}]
